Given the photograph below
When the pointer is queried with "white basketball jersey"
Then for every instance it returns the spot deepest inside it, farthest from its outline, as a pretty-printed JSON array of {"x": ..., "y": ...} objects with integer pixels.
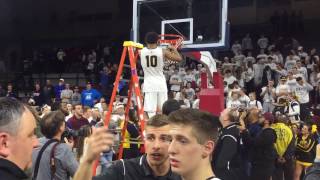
[{"x": 152, "y": 62}]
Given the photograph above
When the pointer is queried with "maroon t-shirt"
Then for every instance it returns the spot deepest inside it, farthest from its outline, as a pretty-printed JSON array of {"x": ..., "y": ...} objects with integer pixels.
[{"x": 76, "y": 124}]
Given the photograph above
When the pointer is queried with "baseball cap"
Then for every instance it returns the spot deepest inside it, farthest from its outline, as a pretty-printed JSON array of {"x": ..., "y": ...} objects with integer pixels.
[
  {"x": 284, "y": 78},
  {"x": 269, "y": 117},
  {"x": 61, "y": 79}
]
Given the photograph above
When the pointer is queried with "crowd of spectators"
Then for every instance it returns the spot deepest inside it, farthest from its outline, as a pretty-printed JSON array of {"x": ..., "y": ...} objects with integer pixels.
[{"x": 272, "y": 94}]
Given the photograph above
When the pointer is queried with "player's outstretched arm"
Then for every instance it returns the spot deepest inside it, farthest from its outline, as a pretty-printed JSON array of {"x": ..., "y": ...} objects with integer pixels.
[
  {"x": 172, "y": 54},
  {"x": 98, "y": 142}
]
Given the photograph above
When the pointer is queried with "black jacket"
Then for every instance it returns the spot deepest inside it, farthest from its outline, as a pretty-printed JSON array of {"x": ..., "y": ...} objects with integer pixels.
[
  {"x": 10, "y": 171},
  {"x": 226, "y": 160},
  {"x": 133, "y": 169},
  {"x": 262, "y": 151}
]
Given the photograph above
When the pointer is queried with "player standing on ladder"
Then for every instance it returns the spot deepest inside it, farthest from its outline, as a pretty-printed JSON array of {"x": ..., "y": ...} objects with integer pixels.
[{"x": 152, "y": 61}]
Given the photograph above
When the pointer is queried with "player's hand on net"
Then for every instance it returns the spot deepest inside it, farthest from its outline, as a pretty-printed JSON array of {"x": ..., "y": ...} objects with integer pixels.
[
  {"x": 171, "y": 48},
  {"x": 101, "y": 140}
]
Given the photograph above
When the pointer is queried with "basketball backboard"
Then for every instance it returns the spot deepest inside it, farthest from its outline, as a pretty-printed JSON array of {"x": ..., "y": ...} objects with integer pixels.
[{"x": 203, "y": 23}]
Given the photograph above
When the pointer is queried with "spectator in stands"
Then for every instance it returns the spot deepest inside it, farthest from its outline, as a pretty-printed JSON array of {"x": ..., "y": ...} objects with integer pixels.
[
  {"x": 87, "y": 113},
  {"x": 61, "y": 60},
  {"x": 302, "y": 90},
  {"x": 244, "y": 99},
  {"x": 254, "y": 103},
  {"x": 291, "y": 81},
  {"x": 183, "y": 100},
  {"x": 102, "y": 105},
  {"x": 77, "y": 120},
  {"x": 263, "y": 42},
  {"x": 95, "y": 116},
  {"x": 57, "y": 160},
  {"x": 258, "y": 71},
  {"x": 250, "y": 58},
  {"x": 189, "y": 77},
  {"x": 17, "y": 138},
  {"x": 58, "y": 89},
  {"x": 268, "y": 94},
  {"x": 175, "y": 82},
  {"x": 285, "y": 145},
  {"x": 2, "y": 91},
  {"x": 190, "y": 92},
  {"x": 228, "y": 77},
  {"x": 90, "y": 96},
  {"x": 70, "y": 112},
  {"x": 226, "y": 159},
  {"x": 66, "y": 94},
  {"x": 282, "y": 89},
  {"x": 193, "y": 132},
  {"x": 76, "y": 96},
  {"x": 268, "y": 75},
  {"x": 48, "y": 92},
  {"x": 302, "y": 70},
  {"x": 236, "y": 47},
  {"x": 248, "y": 76},
  {"x": 10, "y": 91},
  {"x": 291, "y": 60},
  {"x": 104, "y": 80},
  {"x": 234, "y": 102},
  {"x": 37, "y": 95},
  {"x": 279, "y": 71},
  {"x": 239, "y": 58},
  {"x": 247, "y": 44},
  {"x": 292, "y": 108}
]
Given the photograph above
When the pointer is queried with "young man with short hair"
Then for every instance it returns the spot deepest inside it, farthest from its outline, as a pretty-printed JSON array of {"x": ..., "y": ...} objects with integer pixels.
[
  {"x": 193, "y": 135},
  {"x": 154, "y": 165},
  {"x": 152, "y": 62}
]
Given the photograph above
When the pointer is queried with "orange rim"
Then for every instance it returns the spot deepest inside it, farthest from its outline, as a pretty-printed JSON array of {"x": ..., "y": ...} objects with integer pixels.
[{"x": 175, "y": 41}]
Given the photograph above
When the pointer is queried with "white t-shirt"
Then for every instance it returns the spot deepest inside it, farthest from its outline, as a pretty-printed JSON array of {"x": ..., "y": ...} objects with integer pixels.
[
  {"x": 233, "y": 104},
  {"x": 229, "y": 80},
  {"x": 152, "y": 62},
  {"x": 268, "y": 98},
  {"x": 302, "y": 92},
  {"x": 282, "y": 88},
  {"x": 175, "y": 87},
  {"x": 291, "y": 84},
  {"x": 290, "y": 63},
  {"x": 189, "y": 78},
  {"x": 255, "y": 104}
]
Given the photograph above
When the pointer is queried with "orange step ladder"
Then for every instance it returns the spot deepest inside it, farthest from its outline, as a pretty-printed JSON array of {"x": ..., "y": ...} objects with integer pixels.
[{"x": 132, "y": 49}]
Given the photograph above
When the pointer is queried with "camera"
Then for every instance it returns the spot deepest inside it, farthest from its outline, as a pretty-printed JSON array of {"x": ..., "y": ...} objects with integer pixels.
[{"x": 69, "y": 134}]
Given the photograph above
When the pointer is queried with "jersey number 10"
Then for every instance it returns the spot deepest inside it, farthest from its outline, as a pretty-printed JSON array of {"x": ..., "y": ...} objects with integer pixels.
[{"x": 151, "y": 61}]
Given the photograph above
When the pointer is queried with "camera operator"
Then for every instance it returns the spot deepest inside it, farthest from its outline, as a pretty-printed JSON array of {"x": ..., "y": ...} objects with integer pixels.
[
  {"x": 292, "y": 109},
  {"x": 52, "y": 159},
  {"x": 226, "y": 157},
  {"x": 261, "y": 151}
]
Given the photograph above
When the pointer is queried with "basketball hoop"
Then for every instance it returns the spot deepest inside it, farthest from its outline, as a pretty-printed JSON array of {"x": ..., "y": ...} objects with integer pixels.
[{"x": 172, "y": 40}]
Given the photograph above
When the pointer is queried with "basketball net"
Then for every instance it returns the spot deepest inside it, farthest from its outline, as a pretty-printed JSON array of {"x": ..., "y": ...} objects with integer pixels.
[{"x": 170, "y": 40}]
